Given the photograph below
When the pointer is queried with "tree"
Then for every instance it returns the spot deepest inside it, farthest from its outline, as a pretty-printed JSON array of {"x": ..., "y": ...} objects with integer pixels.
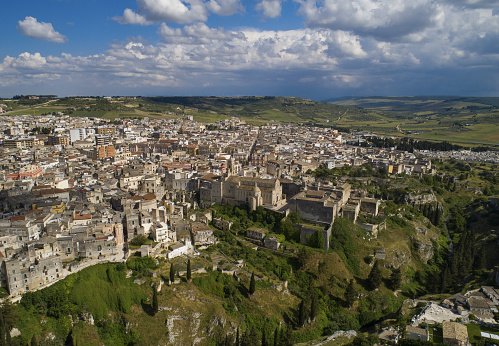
[
  {"x": 316, "y": 240},
  {"x": 139, "y": 240},
  {"x": 155, "y": 306},
  {"x": 264, "y": 338},
  {"x": 294, "y": 217},
  {"x": 8, "y": 317},
  {"x": 481, "y": 260},
  {"x": 276, "y": 336},
  {"x": 396, "y": 279},
  {"x": 301, "y": 314},
  {"x": 446, "y": 280},
  {"x": 252, "y": 287},
  {"x": 2, "y": 331},
  {"x": 237, "y": 337},
  {"x": 33, "y": 342},
  {"x": 314, "y": 307},
  {"x": 172, "y": 274},
  {"x": 375, "y": 278},
  {"x": 350, "y": 293},
  {"x": 189, "y": 274},
  {"x": 249, "y": 337}
]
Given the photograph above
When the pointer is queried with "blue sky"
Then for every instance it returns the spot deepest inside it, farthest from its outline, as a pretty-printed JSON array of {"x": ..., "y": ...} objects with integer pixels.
[{"x": 307, "y": 48}]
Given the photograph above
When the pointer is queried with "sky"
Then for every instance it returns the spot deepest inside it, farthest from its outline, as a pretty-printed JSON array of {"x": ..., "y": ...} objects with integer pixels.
[{"x": 317, "y": 49}]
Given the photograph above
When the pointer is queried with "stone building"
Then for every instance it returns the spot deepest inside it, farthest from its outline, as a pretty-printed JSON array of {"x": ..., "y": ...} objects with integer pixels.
[
  {"x": 24, "y": 275},
  {"x": 454, "y": 334},
  {"x": 202, "y": 234},
  {"x": 316, "y": 206},
  {"x": 236, "y": 190}
]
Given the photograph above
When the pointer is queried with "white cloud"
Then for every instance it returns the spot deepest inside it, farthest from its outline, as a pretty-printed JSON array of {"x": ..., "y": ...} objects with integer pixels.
[
  {"x": 383, "y": 19},
  {"x": 29, "y": 61},
  {"x": 475, "y": 3},
  {"x": 225, "y": 7},
  {"x": 177, "y": 11},
  {"x": 458, "y": 45},
  {"x": 198, "y": 33},
  {"x": 269, "y": 8},
  {"x": 345, "y": 44},
  {"x": 32, "y": 28},
  {"x": 130, "y": 17}
]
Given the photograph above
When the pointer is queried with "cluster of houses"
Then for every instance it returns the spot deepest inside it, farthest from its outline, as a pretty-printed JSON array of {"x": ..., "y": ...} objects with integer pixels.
[
  {"x": 452, "y": 315},
  {"x": 83, "y": 192}
]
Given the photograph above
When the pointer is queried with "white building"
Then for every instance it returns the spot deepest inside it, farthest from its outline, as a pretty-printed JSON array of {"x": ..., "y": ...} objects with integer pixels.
[
  {"x": 180, "y": 249},
  {"x": 161, "y": 233},
  {"x": 77, "y": 134}
]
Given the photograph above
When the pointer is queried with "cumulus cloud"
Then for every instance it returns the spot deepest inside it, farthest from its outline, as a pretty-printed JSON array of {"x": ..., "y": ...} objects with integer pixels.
[
  {"x": 225, "y": 7},
  {"x": 32, "y": 28},
  {"x": 130, "y": 17},
  {"x": 345, "y": 44},
  {"x": 475, "y": 3},
  {"x": 198, "y": 33},
  {"x": 456, "y": 45},
  {"x": 29, "y": 61},
  {"x": 269, "y": 8},
  {"x": 383, "y": 19},
  {"x": 177, "y": 11}
]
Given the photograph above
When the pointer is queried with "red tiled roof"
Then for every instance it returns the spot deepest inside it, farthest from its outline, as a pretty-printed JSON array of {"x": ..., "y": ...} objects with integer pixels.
[
  {"x": 83, "y": 217},
  {"x": 33, "y": 211},
  {"x": 149, "y": 196}
]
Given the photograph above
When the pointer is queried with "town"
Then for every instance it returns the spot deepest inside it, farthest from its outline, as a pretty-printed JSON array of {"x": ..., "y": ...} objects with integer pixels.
[{"x": 79, "y": 191}]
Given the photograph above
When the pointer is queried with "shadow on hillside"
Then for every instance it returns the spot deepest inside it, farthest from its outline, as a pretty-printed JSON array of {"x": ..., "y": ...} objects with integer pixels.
[{"x": 148, "y": 309}]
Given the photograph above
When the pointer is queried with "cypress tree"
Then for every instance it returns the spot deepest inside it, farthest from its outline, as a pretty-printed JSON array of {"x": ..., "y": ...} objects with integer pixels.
[
  {"x": 189, "y": 274},
  {"x": 314, "y": 307},
  {"x": 252, "y": 284},
  {"x": 172, "y": 274},
  {"x": 33, "y": 341},
  {"x": 446, "y": 280},
  {"x": 155, "y": 305},
  {"x": 301, "y": 314},
  {"x": 431, "y": 214},
  {"x": 374, "y": 279},
  {"x": 481, "y": 260},
  {"x": 350, "y": 293},
  {"x": 396, "y": 279},
  {"x": 437, "y": 216},
  {"x": 2, "y": 330}
]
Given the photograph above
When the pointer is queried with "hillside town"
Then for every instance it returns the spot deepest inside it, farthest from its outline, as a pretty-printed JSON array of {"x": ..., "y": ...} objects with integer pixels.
[{"x": 77, "y": 191}]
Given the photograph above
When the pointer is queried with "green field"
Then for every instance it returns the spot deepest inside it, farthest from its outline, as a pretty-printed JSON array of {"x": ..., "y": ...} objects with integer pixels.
[{"x": 462, "y": 120}]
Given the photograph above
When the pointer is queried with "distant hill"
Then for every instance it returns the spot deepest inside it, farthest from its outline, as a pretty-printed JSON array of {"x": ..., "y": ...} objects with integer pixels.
[
  {"x": 419, "y": 103},
  {"x": 458, "y": 119},
  {"x": 255, "y": 109}
]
